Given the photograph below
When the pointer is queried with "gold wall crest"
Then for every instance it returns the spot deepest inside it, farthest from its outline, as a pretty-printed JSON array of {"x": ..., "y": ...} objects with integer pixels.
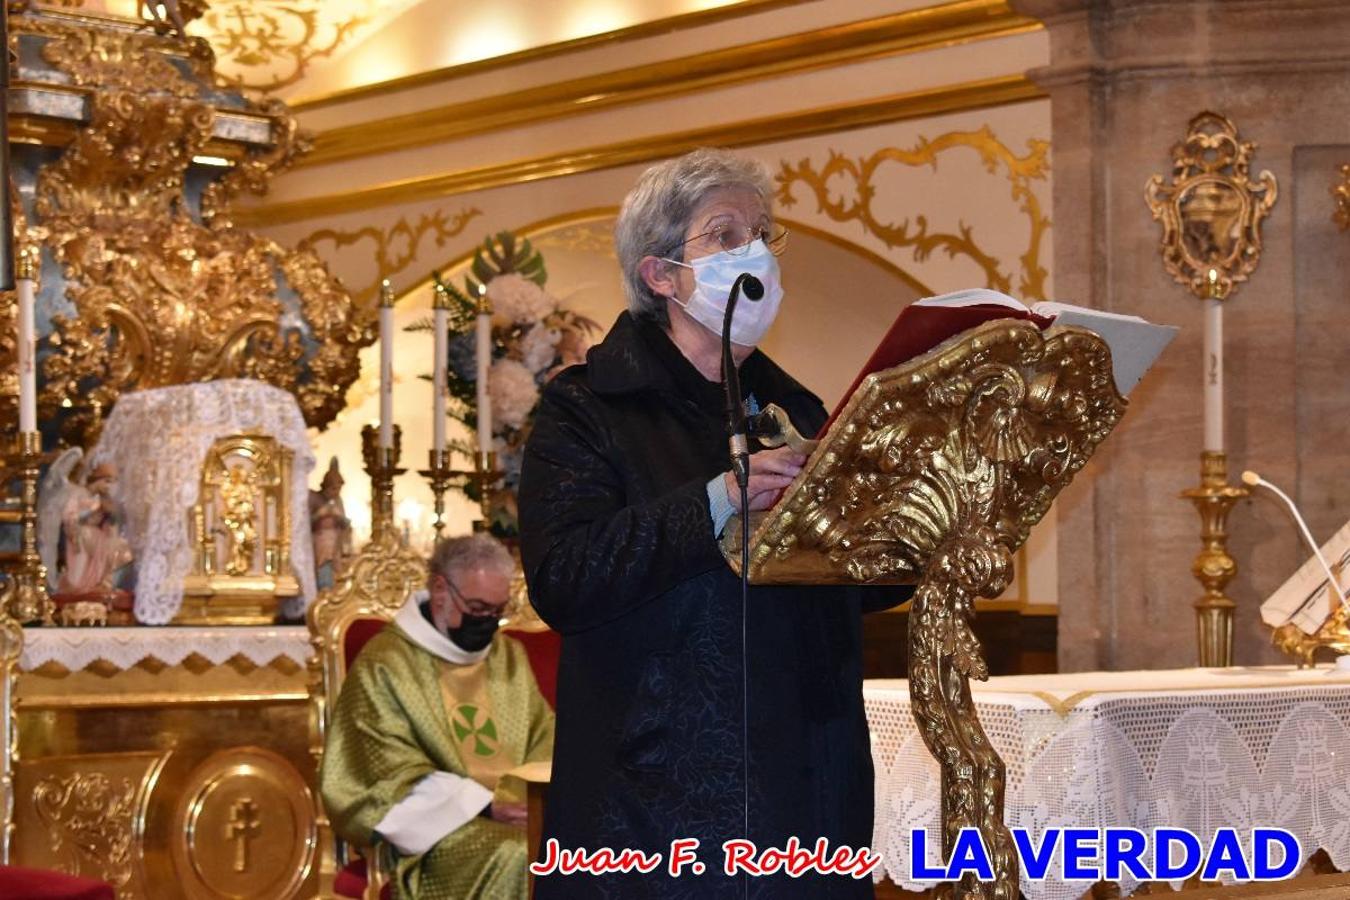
[{"x": 1211, "y": 212}]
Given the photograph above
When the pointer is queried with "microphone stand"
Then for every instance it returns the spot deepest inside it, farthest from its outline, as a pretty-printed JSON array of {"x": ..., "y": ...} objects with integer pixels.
[{"x": 739, "y": 445}]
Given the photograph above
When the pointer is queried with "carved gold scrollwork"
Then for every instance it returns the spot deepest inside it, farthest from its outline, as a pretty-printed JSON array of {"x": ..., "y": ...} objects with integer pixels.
[
  {"x": 90, "y": 817},
  {"x": 934, "y": 474},
  {"x": 1211, "y": 212},
  {"x": 862, "y": 172},
  {"x": 11, "y": 647},
  {"x": 1341, "y": 193},
  {"x": 156, "y": 297},
  {"x": 397, "y": 246},
  {"x": 268, "y": 44}
]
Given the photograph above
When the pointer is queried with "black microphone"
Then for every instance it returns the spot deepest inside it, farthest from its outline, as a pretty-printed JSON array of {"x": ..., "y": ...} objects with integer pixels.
[{"x": 737, "y": 441}]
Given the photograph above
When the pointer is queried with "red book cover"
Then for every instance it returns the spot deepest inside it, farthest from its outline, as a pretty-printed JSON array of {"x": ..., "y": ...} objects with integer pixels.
[{"x": 919, "y": 329}]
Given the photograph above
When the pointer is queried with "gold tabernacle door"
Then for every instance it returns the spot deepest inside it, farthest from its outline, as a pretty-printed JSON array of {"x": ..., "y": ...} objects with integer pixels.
[{"x": 933, "y": 474}]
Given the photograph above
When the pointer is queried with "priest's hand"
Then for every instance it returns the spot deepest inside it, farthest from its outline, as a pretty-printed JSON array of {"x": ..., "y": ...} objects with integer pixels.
[
  {"x": 513, "y": 814},
  {"x": 770, "y": 472}
]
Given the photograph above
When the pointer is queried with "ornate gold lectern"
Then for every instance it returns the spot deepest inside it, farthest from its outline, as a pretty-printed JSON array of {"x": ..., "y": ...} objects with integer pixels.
[{"x": 934, "y": 474}]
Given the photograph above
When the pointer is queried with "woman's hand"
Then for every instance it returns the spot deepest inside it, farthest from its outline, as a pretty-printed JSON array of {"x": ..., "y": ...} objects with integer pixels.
[{"x": 770, "y": 472}]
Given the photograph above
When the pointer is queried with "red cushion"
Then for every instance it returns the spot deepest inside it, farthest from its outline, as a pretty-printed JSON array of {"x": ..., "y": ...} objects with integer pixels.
[
  {"x": 356, "y": 636},
  {"x": 544, "y": 649},
  {"x": 18, "y": 883},
  {"x": 351, "y": 881}
]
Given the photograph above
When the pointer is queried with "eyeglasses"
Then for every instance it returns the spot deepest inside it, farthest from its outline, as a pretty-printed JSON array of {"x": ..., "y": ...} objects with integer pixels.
[
  {"x": 736, "y": 237},
  {"x": 474, "y": 606}
]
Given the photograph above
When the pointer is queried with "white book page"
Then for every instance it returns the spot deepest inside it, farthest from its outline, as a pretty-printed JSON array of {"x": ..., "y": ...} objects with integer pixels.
[
  {"x": 1306, "y": 599},
  {"x": 1052, "y": 308},
  {"x": 973, "y": 297}
]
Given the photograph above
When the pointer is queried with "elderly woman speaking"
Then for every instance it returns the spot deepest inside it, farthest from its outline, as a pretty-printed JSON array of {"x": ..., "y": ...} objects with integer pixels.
[{"x": 663, "y": 680}]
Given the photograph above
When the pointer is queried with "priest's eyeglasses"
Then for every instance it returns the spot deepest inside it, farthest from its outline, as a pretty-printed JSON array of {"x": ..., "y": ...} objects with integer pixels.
[
  {"x": 472, "y": 605},
  {"x": 736, "y": 237}
]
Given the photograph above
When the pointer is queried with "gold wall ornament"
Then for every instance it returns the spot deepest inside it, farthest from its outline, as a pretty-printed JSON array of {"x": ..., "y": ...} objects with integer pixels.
[
  {"x": 395, "y": 247},
  {"x": 857, "y": 204},
  {"x": 90, "y": 819},
  {"x": 240, "y": 532},
  {"x": 1211, "y": 212},
  {"x": 1341, "y": 193},
  {"x": 934, "y": 474}
]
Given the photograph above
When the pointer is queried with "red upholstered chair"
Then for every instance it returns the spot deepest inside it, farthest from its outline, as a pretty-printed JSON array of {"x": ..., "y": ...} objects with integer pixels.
[
  {"x": 544, "y": 649},
  {"x": 17, "y": 883},
  {"x": 341, "y": 620}
]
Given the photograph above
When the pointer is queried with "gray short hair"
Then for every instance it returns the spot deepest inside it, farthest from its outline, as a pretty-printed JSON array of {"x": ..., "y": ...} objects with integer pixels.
[
  {"x": 474, "y": 551},
  {"x": 657, "y": 211}
]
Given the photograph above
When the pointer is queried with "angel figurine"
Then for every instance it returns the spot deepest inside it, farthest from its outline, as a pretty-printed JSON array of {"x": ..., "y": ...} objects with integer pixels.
[{"x": 79, "y": 532}]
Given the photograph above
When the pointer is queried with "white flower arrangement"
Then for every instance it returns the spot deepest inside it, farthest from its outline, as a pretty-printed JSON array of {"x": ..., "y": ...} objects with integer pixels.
[
  {"x": 516, "y": 300},
  {"x": 514, "y": 394}
]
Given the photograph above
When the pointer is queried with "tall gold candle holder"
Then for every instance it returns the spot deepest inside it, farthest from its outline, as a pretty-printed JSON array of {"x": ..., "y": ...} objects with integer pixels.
[
  {"x": 382, "y": 467},
  {"x": 439, "y": 475},
  {"x": 484, "y": 475},
  {"x": 29, "y": 600},
  {"x": 1213, "y": 567}
]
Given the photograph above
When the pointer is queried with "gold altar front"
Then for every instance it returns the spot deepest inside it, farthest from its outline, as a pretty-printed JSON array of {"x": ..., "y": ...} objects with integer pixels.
[{"x": 168, "y": 781}]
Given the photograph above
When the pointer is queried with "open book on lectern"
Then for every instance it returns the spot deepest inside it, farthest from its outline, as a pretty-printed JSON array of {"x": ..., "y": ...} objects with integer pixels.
[
  {"x": 973, "y": 412},
  {"x": 1135, "y": 343}
]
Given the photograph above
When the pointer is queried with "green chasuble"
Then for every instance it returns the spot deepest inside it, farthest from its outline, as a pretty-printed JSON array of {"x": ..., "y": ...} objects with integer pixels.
[{"x": 404, "y": 713}]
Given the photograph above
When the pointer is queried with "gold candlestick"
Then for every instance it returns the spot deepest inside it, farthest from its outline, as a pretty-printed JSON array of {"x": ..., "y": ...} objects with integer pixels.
[
  {"x": 382, "y": 467},
  {"x": 1213, "y": 567},
  {"x": 29, "y": 600},
  {"x": 485, "y": 475},
  {"x": 439, "y": 475}
]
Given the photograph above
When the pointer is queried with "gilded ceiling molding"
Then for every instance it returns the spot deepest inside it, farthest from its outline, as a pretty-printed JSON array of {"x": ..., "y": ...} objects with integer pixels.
[
  {"x": 396, "y": 247},
  {"x": 906, "y": 32},
  {"x": 667, "y": 26},
  {"x": 1341, "y": 192},
  {"x": 856, "y": 204},
  {"x": 967, "y": 96},
  {"x": 269, "y": 44}
]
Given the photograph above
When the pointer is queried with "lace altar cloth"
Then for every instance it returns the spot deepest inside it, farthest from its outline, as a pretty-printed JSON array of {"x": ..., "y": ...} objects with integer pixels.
[
  {"x": 158, "y": 440},
  {"x": 1189, "y": 748},
  {"x": 78, "y": 648}
]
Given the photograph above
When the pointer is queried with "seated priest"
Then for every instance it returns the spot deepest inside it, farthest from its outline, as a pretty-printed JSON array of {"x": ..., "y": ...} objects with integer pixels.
[{"x": 434, "y": 710}]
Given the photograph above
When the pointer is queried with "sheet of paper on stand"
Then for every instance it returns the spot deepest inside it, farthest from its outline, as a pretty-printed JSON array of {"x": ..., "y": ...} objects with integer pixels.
[{"x": 1306, "y": 599}]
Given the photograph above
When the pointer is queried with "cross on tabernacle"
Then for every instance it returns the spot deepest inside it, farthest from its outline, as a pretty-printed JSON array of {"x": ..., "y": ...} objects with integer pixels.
[{"x": 243, "y": 824}]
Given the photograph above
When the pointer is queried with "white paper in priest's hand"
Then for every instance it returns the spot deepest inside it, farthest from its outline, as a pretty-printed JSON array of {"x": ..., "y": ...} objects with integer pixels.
[{"x": 1306, "y": 599}]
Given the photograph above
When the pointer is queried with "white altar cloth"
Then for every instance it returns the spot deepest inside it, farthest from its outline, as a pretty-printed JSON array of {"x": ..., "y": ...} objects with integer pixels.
[
  {"x": 77, "y": 648},
  {"x": 1189, "y": 748}
]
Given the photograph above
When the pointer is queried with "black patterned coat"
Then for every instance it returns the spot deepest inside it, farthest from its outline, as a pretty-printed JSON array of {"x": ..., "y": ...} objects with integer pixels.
[{"x": 620, "y": 558}]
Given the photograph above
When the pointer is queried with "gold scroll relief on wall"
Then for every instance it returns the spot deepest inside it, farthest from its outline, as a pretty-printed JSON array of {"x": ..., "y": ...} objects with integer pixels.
[
  {"x": 857, "y": 202},
  {"x": 153, "y": 295},
  {"x": 394, "y": 248}
]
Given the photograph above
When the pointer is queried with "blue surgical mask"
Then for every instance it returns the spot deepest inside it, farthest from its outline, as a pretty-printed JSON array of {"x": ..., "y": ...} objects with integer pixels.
[{"x": 713, "y": 277}]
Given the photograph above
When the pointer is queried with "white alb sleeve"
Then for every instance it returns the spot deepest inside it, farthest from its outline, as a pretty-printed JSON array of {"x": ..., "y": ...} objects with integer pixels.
[{"x": 437, "y": 805}]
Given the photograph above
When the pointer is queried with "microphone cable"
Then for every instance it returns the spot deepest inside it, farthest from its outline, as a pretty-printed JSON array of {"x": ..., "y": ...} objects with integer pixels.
[{"x": 739, "y": 446}]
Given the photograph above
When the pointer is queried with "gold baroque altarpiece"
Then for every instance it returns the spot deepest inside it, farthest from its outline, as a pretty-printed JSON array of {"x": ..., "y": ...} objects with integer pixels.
[{"x": 153, "y": 284}]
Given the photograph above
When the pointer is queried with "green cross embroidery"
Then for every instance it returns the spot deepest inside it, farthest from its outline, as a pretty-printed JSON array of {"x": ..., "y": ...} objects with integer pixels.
[{"x": 468, "y": 721}]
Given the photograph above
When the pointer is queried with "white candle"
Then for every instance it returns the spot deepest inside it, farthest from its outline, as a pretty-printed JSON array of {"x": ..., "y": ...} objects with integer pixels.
[
  {"x": 484, "y": 354},
  {"x": 440, "y": 359},
  {"x": 386, "y": 365},
  {"x": 27, "y": 356},
  {"x": 1213, "y": 374}
]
